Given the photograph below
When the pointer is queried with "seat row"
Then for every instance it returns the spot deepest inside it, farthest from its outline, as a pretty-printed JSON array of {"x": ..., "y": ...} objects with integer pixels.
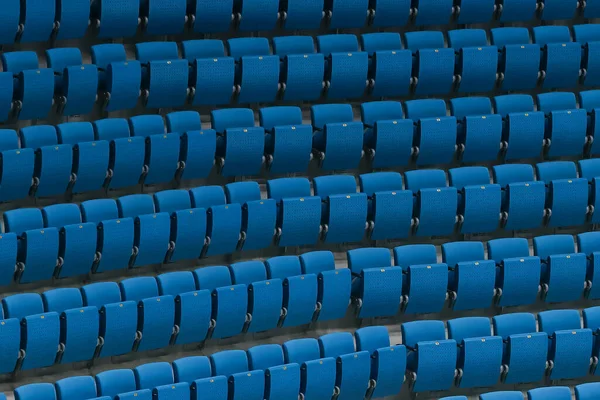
[
  {"x": 339, "y": 69},
  {"x": 585, "y": 391}
]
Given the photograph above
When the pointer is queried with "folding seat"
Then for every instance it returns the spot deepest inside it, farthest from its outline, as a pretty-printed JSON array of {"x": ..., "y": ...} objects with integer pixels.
[
  {"x": 345, "y": 211},
  {"x": 40, "y": 330},
  {"x": 243, "y": 383},
  {"x": 188, "y": 225},
  {"x": 589, "y": 100},
  {"x": 115, "y": 20},
  {"x": 150, "y": 375},
  {"x": 505, "y": 395},
  {"x": 388, "y": 362},
  {"x": 37, "y": 20},
  {"x": 472, "y": 278},
  {"x": 34, "y": 391},
  {"x": 347, "y": 13},
  {"x": 197, "y": 152},
  {"x": 463, "y": 397},
  {"x": 518, "y": 274},
  {"x": 570, "y": 347},
  {"x": 587, "y": 243},
  {"x": 479, "y": 130},
  {"x": 10, "y": 343},
  {"x": 72, "y": 19},
  {"x": 156, "y": 313},
  {"x": 120, "y": 79},
  {"x": 118, "y": 318},
  {"x": 164, "y": 75},
  {"x": 430, "y": 12},
  {"x": 338, "y": 139},
  {"x": 318, "y": 375},
  {"x": 426, "y": 283},
  {"x": 189, "y": 369},
  {"x": 145, "y": 394},
  {"x": 127, "y": 153},
  {"x": 388, "y": 136},
  {"x": 256, "y": 15},
  {"x": 476, "y": 62},
  {"x": 6, "y": 95},
  {"x": 390, "y": 13},
  {"x": 282, "y": 380},
  {"x": 223, "y": 221},
  {"x": 390, "y": 67},
  {"x": 561, "y": 58},
  {"x": 17, "y": 167},
  {"x": 302, "y": 69},
  {"x": 257, "y": 71},
  {"x": 300, "y": 292},
  {"x": 432, "y": 360},
  {"x": 115, "y": 235},
  {"x": 591, "y": 9},
  {"x": 587, "y": 36},
  {"x": 33, "y": 86},
  {"x": 10, "y": 21},
  {"x": 259, "y": 217},
  {"x": 390, "y": 207},
  {"x": 163, "y": 19},
  {"x": 161, "y": 163},
  {"x": 75, "y": 388},
  {"x": 346, "y": 67},
  {"x": 230, "y": 302},
  {"x": 76, "y": 84},
  {"x": 566, "y": 133},
  {"x": 435, "y": 205},
  {"x": 8, "y": 257},
  {"x": 553, "y": 393},
  {"x": 587, "y": 391},
  {"x": 474, "y": 11},
  {"x": 519, "y": 65},
  {"x": 265, "y": 297},
  {"x": 79, "y": 324},
  {"x": 334, "y": 284},
  {"x": 192, "y": 307},
  {"x": 211, "y": 17},
  {"x": 53, "y": 161},
  {"x": 377, "y": 285},
  {"x": 288, "y": 142},
  {"x": 517, "y": 10},
  {"x": 172, "y": 392},
  {"x": 37, "y": 255},
  {"x": 553, "y": 9},
  {"x": 480, "y": 202},
  {"x": 433, "y": 64},
  {"x": 590, "y": 169},
  {"x": 523, "y": 128},
  {"x": 112, "y": 382},
  {"x": 353, "y": 366},
  {"x": 591, "y": 320},
  {"x": 434, "y": 132},
  {"x": 215, "y": 388},
  {"x": 567, "y": 198}
]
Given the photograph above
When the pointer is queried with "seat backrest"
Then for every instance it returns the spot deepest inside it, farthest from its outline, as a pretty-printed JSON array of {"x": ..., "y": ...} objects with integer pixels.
[
  {"x": 380, "y": 182},
  {"x": 336, "y": 344},
  {"x": 425, "y": 179},
  {"x": 36, "y": 391},
  {"x": 38, "y": 136},
  {"x": 240, "y": 47},
  {"x": 587, "y": 391},
  {"x": 466, "y": 176},
  {"x": 286, "y": 45},
  {"x": 543, "y": 35},
  {"x": 455, "y": 252},
  {"x": 172, "y": 200},
  {"x": 288, "y": 187},
  {"x": 549, "y": 171},
  {"x": 422, "y": 331},
  {"x": 505, "y": 36},
  {"x": 229, "y": 118},
  {"x": 513, "y": 324},
  {"x": 247, "y": 272},
  {"x": 207, "y": 196},
  {"x": 372, "y": 338},
  {"x": 316, "y": 262},
  {"x": 324, "y": 114},
  {"x": 151, "y": 375},
  {"x": 301, "y": 350},
  {"x": 59, "y": 215},
  {"x": 550, "y": 393},
  {"x": 22, "y": 305},
  {"x": 428, "y": 108},
  {"x": 512, "y": 173},
  {"x": 372, "y": 42},
  {"x": 112, "y": 382},
  {"x": 188, "y": 369},
  {"x": 212, "y": 277},
  {"x": 459, "y": 38},
  {"x": 101, "y": 293},
  {"x": 62, "y": 299},
  {"x": 76, "y": 388},
  {"x": 270, "y": 117},
  {"x": 183, "y": 121},
  {"x": 99, "y": 210},
  {"x": 138, "y": 289},
  {"x": 229, "y": 362},
  {"x": 424, "y": 40},
  {"x": 135, "y": 205},
  {"x": 265, "y": 356},
  {"x": 340, "y": 43},
  {"x": 511, "y": 103},
  {"x": 374, "y": 111},
  {"x": 465, "y": 106},
  {"x": 499, "y": 249},
  {"x": 175, "y": 283},
  {"x": 415, "y": 254},
  {"x": 557, "y": 320},
  {"x": 548, "y": 102},
  {"x": 283, "y": 267},
  {"x": 205, "y": 48},
  {"x": 545, "y": 246},
  {"x": 468, "y": 327},
  {"x": 325, "y": 186},
  {"x": 242, "y": 192},
  {"x": 368, "y": 257},
  {"x": 155, "y": 51},
  {"x": 23, "y": 219}
]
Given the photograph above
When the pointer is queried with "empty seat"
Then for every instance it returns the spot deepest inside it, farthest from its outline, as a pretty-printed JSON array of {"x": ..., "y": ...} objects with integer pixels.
[
  {"x": 164, "y": 19},
  {"x": 566, "y": 133},
  {"x": 430, "y": 12},
  {"x": 561, "y": 58},
  {"x": 588, "y": 169},
  {"x": 553, "y": 10},
  {"x": 302, "y": 14},
  {"x": 587, "y": 36},
  {"x": 472, "y": 277},
  {"x": 216, "y": 386},
  {"x": 153, "y": 374},
  {"x": 504, "y": 395},
  {"x": 211, "y": 17},
  {"x": 10, "y": 337},
  {"x": 587, "y": 391},
  {"x": 243, "y": 383},
  {"x": 256, "y": 15},
  {"x": 434, "y": 64},
  {"x": 318, "y": 375},
  {"x": 10, "y": 21},
  {"x": 390, "y": 13},
  {"x": 519, "y": 65},
  {"x": 347, "y": 13},
  {"x": 390, "y": 72},
  {"x": 473, "y": 11},
  {"x": 17, "y": 167},
  {"x": 587, "y": 243},
  {"x": 116, "y": 20},
  {"x": 346, "y": 68},
  {"x": 282, "y": 381},
  {"x": 377, "y": 286},
  {"x": 554, "y": 393},
  {"x": 476, "y": 62},
  {"x": 8, "y": 257},
  {"x": 35, "y": 391},
  {"x": 526, "y": 350},
  {"x": 189, "y": 369},
  {"x": 37, "y": 20},
  {"x": 434, "y": 132},
  {"x": 517, "y": 10},
  {"x": 145, "y": 394},
  {"x": 590, "y": 101},
  {"x": 76, "y": 388},
  {"x": 112, "y": 382},
  {"x": 176, "y": 391}
]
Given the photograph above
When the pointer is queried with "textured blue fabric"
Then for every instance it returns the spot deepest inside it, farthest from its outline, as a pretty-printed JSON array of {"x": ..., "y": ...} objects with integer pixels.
[
  {"x": 112, "y": 382},
  {"x": 554, "y": 10},
  {"x": 214, "y": 80},
  {"x": 166, "y": 17},
  {"x": 392, "y": 72},
  {"x": 212, "y": 16},
  {"x": 167, "y": 83},
  {"x": 431, "y": 12},
  {"x": 35, "y": 90},
  {"x": 172, "y": 392},
  {"x": 519, "y": 60},
  {"x": 36, "y": 391},
  {"x": 80, "y": 85},
  {"x": 346, "y": 218},
  {"x": 223, "y": 228},
  {"x": 257, "y": 15},
  {"x": 73, "y": 16},
  {"x": 473, "y": 11},
  {"x": 198, "y": 150},
  {"x": 38, "y": 20},
  {"x": 10, "y": 334},
  {"x": 230, "y": 304},
  {"x": 145, "y": 394},
  {"x": 380, "y": 291},
  {"x": 303, "y": 14},
  {"x": 348, "y": 14},
  {"x": 8, "y": 257},
  {"x": 189, "y": 369},
  {"x": 341, "y": 143},
  {"x": 300, "y": 220},
  {"x": 303, "y": 76},
  {"x": 517, "y": 10},
  {"x": 10, "y": 21},
  {"x": 586, "y": 244},
  {"x": 43, "y": 335},
  {"x": 299, "y": 299},
  {"x": 6, "y": 95},
  {"x": 123, "y": 83},
  {"x": 39, "y": 254},
  {"x": 586, "y": 391},
  {"x": 391, "y": 13},
  {"x": 436, "y": 211},
  {"x": 153, "y": 374},
  {"x": 17, "y": 173},
  {"x": 259, "y": 79},
  {"x": 242, "y": 149},
  {"x": 117, "y": 18},
  {"x": 118, "y": 326}
]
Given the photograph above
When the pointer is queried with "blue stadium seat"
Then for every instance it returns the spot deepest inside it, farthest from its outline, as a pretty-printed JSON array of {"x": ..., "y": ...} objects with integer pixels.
[
  {"x": 390, "y": 67},
  {"x": 433, "y": 63},
  {"x": 115, "y": 234},
  {"x": 37, "y": 20},
  {"x": 302, "y": 14},
  {"x": 346, "y": 68},
  {"x": 476, "y": 62},
  {"x": 480, "y": 355},
  {"x": 523, "y": 132},
  {"x": 112, "y": 382},
  {"x": 224, "y": 221},
  {"x": 587, "y": 391},
  {"x": 76, "y": 388},
  {"x": 160, "y": 18},
  {"x": 377, "y": 285},
  {"x": 9, "y": 21},
  {"x": 150, "y": 375},
  {"x": 156, "y": 313},
  {"x": 563, "y": 270},
  {"x": 338, "y": 139},
  {"x": 120, "y": 79},
  {"x": 6, "y": 96},
  {"x": 591, "y": 320},
  {"x": 549, "y": 393},
  {"x": 76, "y": 84},
  {"x": 525, "y": 349},
  {"x": 591, "y": 9},
  {"x": 434, "y": 132},
  {"x": 430, "y": 12},
  {"x": 480, "y": 202},
  {"x": 472, "y": 277},
  {"x": 118, "y": 318},
  {"x": 243, "y": 383},
  {"x": 353, "y": 365},
  {"x": 426, "y": 283},
  {"x": 347, "y": 13},
  {"x": 334, "y": 284},
  {"x": 567, "y": 197},
  {"x": 259, "y": 216},
  {"x": 189, "y": 369},
  {"x": 435, "y": 204},
  {"x": 41, "y": 330},
  {"x": 390, "y": 207},
  {"x": 300, "y": 292},
  {"x": 504, "y": 395},
  {"x": 35, "y": 391},
  {"x": 553, "y": 10},
  {"x": 389, "y": 13},
  {"x": 288, "y": 143},
  {"x": 282, "y": 381},
  {"x": 10, "y": 338},
  {"x": 17, "y": 165},
  {"x": 145, "y": 394},
  {"x": 72, "y": 19},
  {"x": 299, "y": 213},
  {"x": 116, "y": 19},
  {"x": 518, "y": 274},
  {"x": 589, "y": 169},
  {"x": 587, "y": 243},
  {"x": 8, "y": 257},
  {"x": 302, "y": 69},
  {"x": 175, "y": 391},
  {"x": 566, "y": 133},
  {"x": 589, "y": 100},
  {"x": 318, "y": 375},
  {"x": 432, "y": 358},
  {"x": 256, "y": 15},
  {"x": 38, "y": 249},
  {"x": 587, "y": 36},
  {"x": 388, "y": 136},
  {"x": 211, "y": 17},
  {"x": 561, "y": 58},
  {"x": 519, "y": 65},
  {"x": 474, "y": 11},
  {"x": 216, "y": 386},
  {"x": 479, "y": 130},
  {"x": 570, "y": 346}
]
